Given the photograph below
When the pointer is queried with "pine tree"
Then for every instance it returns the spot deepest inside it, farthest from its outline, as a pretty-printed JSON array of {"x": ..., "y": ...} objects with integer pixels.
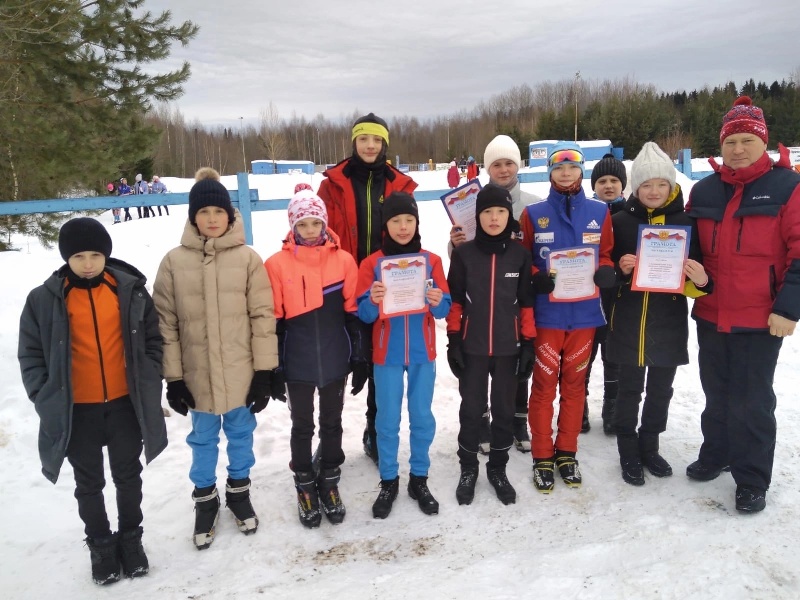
[{"x": 73, "y": 94}]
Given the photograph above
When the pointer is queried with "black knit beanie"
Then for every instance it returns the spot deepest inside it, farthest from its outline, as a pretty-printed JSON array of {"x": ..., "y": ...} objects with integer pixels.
[
  {"x": 399, "y": 203},
  {"x": 493, "y": 195},
  {"x": 209, "y": 192},
  {"x": 610, "y": 165},
  {"x": 83, "y": 235}
]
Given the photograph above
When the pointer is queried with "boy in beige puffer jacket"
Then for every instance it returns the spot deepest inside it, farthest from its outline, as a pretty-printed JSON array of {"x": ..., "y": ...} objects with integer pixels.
[{"x": 214, "y": 303}]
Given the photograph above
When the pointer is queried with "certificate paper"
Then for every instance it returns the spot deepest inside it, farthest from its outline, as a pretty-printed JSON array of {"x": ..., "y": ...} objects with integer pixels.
[
  {"x": 405, "y": 278},
  {"x": 574, "y": 270},
  {"x": 660, "y": 254},
  {"x": 460, "y": 206}
]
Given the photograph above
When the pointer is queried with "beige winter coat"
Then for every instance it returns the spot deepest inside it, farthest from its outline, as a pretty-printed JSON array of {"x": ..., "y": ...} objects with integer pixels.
[{"x": 216, "y": 316}]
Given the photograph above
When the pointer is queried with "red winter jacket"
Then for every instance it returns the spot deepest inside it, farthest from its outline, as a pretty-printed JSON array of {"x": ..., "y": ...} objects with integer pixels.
[
  {"x": 749, "y": 228},
  {"x": 340, "y": 201}
]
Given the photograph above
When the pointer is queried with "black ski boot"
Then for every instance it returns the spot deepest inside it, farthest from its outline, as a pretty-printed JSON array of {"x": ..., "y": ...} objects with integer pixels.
[
  {"x": 206, "y": 515},
  {"x": 328, "y": 487},
  {"x": 465, "y": 492},
  {"x": 131, "y": 553},
  {"x": 568, "y": 468},
  {"x": 585, "y": 424},
  {"x": 632, "y": 471},
  {"x": 485, "y": 434},
  {"x": 609, "y": 404},
  {"x": 502, "y": 486},
  {"x": 237, "y": 498},
  {"x": 544, "y": 474},
  {"x": 522, "y": 440},
  {"x": 308, "y": 509},
  {"x": 104, "y": 553},
  {"x": 370, "y": 446},
  {"x": 418, "y": 490},
  {"x": 383, "y": 503},
  {"x": 655, "y": 463},
  {"x": 750, "y": 499}
]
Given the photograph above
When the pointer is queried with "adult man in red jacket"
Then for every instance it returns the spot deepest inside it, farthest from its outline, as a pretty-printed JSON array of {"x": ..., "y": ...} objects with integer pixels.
[
  {"x": 353, "y": 192},
  {"x": 748, "y": 217}
]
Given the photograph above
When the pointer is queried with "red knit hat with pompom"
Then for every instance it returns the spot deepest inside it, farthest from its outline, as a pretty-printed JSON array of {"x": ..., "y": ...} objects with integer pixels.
[{"x": 744, "y": 118}]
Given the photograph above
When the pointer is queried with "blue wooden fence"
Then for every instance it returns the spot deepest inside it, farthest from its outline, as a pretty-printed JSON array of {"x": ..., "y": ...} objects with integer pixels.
[{"x": 243, "y": 198}]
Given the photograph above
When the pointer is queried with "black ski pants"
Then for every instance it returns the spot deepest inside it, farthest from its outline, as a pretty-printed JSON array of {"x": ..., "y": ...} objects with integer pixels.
[
  {"x": 474, "y": 389},
  {"x": 737, "y": 371},
  {"x": 301, "y": 404},
  {"x": 112, "y": 424}
]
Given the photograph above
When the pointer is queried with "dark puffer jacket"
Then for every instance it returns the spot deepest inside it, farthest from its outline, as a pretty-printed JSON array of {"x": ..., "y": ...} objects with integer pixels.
[{"x": 45, "y": 362}]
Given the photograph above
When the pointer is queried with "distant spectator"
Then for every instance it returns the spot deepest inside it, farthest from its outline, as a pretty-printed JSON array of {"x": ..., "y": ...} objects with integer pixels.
[
  {"x": 472, "y": 169},
  {"x": 159, "y": 188},
  {"x": 114, "y": 211},
  {"x": 125, "y": 190},
  {"x": 453, "y": 176},
  {"x": 463, "y": 166},
  {"x": 141, "y": 187}
]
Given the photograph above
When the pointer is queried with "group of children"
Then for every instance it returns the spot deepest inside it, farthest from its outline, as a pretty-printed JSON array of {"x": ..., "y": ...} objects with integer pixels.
[{"x": 229, "y": 332}]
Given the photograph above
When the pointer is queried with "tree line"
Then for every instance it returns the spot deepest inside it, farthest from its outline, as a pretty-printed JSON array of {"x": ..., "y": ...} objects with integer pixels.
[{"x": 624, "y": 111}]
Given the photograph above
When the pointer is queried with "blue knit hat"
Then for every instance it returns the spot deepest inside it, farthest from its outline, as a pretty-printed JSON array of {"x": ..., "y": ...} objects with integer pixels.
[{"x": 565, "y": 153}]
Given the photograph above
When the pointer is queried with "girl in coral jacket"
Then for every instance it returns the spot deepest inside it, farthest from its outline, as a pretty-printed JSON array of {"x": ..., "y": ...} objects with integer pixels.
[
  {"x": 319, "y": 341},
  {"x": 403, "y": 344},
  {"x": 490, "y": 331}
]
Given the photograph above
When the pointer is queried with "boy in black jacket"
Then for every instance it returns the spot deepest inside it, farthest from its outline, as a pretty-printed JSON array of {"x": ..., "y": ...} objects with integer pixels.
[
  {"x": 490, "y": 330},
  {"x": 90, "y": 355}
]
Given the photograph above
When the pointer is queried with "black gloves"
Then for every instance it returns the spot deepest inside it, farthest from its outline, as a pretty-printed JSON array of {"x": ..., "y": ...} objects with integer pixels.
[
  {"x": 361, "y": 372},
  {"x": 260, "y": 389},
  {"x": 278, "y": 385},
  {"x": 605, "y": 277},
  {"x": 455, "y": 355},
  {"x": 542, "y": 283},
  {"x": 179, "y": 397},
  {"x": 526, "y": 360}
]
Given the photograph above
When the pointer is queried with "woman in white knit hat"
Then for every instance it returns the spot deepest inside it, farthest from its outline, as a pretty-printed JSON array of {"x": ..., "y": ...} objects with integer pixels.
[{"x": 503, "y": 161}]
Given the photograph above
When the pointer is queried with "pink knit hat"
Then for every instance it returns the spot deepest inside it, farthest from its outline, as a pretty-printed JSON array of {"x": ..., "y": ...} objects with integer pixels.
[
  {"x": 744, "y": 118},
  {"x": 304, "y": 204}
]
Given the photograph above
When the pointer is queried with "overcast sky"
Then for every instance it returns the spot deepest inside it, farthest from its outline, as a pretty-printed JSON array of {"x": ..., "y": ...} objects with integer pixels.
[{"x": 435, "y": 58}]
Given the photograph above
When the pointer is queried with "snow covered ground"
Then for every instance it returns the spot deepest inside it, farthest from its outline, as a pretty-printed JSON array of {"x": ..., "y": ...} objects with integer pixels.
[{"x": 672, "y": 538}]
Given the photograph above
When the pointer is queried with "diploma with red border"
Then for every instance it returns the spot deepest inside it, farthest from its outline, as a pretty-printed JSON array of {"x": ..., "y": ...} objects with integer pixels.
[
  {"x": 460, "y": 206},
  {"x": 661, "y": 252},
  {"x": 573, "y": 271},
  {"x": 404, "y": 276}
]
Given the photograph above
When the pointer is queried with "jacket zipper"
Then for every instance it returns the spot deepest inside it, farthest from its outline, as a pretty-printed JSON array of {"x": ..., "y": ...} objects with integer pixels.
[
  {"x": 305, "y": 303},
  {"x": 369, "y": 214},
  {"x": 99, "y": 346},
  {"x": 405, "y": 326},
  {"x": 491, "y": 307},
  {"x": 643, "y": 327},
  {"x": 714, "y": 238},
  {"x": 739, "y": 236}
]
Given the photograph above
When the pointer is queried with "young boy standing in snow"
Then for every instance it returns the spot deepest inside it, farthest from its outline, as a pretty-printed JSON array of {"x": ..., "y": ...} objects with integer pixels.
[
  {"x": 609, "y": 178},
  {"x": 648, "y": 333},
  {"x": 490, "y": 331},
  {"x": 319, "y": 343},
  {"x": 95, "y": 318},
  {"x": 503, "y": 161},
  {"x": 403, "y": 345},
  {"x": 566, "y": 219},
  {"x": 215, "y": 310},
  {"x": 354, "y": 192}
]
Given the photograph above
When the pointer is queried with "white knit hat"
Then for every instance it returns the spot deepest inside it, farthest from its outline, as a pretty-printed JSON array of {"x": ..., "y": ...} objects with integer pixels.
[
  {"x": 501, "y": 146},
  {"x": 651, "y": 163}
]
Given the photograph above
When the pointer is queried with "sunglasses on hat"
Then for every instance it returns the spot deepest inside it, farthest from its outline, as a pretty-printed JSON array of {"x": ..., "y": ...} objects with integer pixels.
[{"x": 562, "y": 156}]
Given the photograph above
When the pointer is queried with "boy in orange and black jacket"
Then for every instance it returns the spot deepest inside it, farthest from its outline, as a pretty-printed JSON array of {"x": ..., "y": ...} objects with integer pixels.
[{"x": 104, "y": 391}]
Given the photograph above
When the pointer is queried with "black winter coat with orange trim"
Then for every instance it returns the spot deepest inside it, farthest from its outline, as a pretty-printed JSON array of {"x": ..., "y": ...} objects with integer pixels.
[{"x": 45, "y": 362}]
